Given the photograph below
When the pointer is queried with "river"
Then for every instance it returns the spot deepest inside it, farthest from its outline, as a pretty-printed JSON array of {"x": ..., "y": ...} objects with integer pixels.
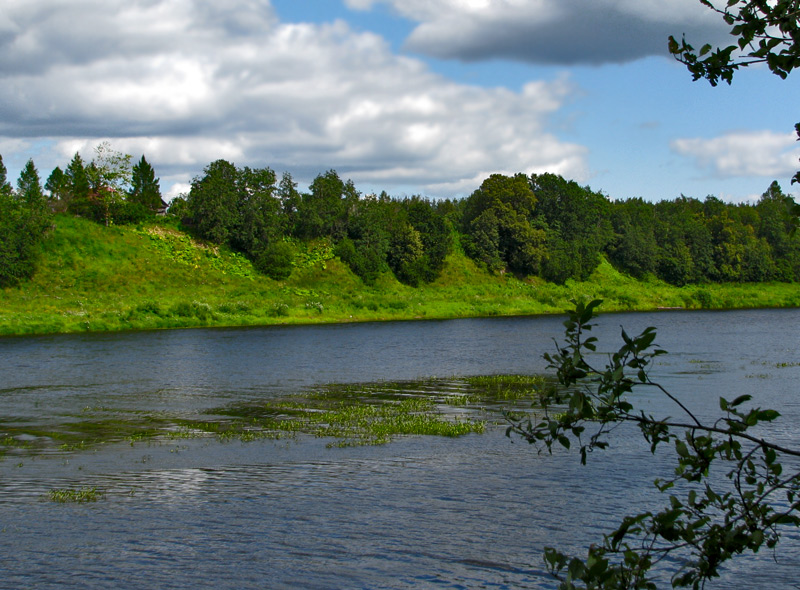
[{"x": 419, "y": 512}]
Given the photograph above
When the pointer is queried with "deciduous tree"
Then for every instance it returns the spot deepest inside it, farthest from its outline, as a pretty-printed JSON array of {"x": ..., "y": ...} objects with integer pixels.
[
  {"x": 497, "y": 221},
  {"x": 213, "y": 202}
]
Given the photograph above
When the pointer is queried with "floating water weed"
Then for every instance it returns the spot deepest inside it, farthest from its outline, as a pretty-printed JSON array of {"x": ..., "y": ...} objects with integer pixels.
[
  {"x": 508, "y": 387},
  {"x": 73, "y": 496},
  {"x": 350, "y": 414}
]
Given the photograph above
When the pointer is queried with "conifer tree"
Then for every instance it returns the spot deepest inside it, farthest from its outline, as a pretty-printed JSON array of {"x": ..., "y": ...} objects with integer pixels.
[
  {"x": 5, "y": 187},
  {"x": 29, "y": 187},
  {"x": 79, "y": 189},
  {"x": 145, "y": 189}
]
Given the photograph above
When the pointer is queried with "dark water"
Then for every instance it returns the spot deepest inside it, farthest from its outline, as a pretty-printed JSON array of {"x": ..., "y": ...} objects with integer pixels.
[{"x": 472, "y": 512}]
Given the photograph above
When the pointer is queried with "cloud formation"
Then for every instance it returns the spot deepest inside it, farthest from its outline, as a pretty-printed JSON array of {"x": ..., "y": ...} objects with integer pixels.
[
  {"x": 560, "y": 32},
  {"x": 757, "y": 153},
  {"x": 189, "y": 81}
]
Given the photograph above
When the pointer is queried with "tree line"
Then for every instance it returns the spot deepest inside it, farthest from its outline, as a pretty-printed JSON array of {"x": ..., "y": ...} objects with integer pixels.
[
  {"x": 539, "y": 225},
  {"x": 108, "y": 190}
]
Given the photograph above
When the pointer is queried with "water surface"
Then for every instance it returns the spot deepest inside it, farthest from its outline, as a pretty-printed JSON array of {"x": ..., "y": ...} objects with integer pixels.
[{"x": 421, "y": 512}]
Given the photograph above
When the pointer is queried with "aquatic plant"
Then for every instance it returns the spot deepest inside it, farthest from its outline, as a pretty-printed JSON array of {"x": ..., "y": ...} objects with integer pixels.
[
  {"x": 76, "y": 496},
  {"x": 346, "y": 414}
]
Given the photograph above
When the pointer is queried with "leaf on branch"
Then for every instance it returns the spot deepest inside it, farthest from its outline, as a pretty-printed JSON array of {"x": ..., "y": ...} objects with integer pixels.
[
  {"x": 768, "y": 415},
  {"x": 740, "y": 400}
]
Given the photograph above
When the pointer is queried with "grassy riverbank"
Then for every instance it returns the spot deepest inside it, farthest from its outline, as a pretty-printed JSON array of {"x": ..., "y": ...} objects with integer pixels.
[{"x": 93, "y": 278}]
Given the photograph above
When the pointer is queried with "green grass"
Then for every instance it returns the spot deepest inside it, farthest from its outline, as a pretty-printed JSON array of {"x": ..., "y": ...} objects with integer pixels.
[{"x": 95, "y": 278}]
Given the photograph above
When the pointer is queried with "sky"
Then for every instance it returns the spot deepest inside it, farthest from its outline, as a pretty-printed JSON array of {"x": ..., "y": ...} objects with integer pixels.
[{"x": 423, "y": 97}]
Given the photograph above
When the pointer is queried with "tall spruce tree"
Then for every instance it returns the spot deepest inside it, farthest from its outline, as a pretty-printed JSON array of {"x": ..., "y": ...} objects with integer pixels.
[
  {"x": 145, "y": 189},
  {"x": 79, "y": 188},
  {"x": 5, "y": 187},
  {"x": 29, "y": 187}
]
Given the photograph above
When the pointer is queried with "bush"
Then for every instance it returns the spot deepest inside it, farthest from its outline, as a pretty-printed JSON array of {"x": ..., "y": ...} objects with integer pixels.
[
  {"x": 129, "y": 213},
  {"x": 275, "y": 260},
  {"x": 196, "y": 309}
]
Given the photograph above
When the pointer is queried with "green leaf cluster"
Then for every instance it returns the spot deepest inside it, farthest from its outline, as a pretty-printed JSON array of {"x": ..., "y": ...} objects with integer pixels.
[
  {"x": 764, "y": 33},
  {"x": 24, "y": 221}
]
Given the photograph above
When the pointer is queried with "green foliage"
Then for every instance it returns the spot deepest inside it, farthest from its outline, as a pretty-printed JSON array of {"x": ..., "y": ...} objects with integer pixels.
[
  {"x": 543, "y": 226},
  {"x": 634, "y": 248},
  {"x": 370, "y": 225},
  {"x": 195, "y": 309},
  {"x": 20, "y": 232},
  {"x": 5, "y": 187},
  {"x": 260, "y": 220},
  {"x": 145, "y": 189},
  {"x": 577, "y": 226},
  {"x": 212, "y": 202},
  {"x": 112, "y": 168},
  {"x": 405, "y": 254},
  {"x": 24, "y": 219},
  {"x": 77, "y": 180},
  {"x": 239, "y": 208},
  {"x": 179, "y": 208},
  {"x": 91, "y": 277},
  {"x": 716, "y": 519},
  {"x": 764, "y": 32},
  {"x": 497, "y": 221},
  {"x": 58, "y": 186},
  {"x": 365, "y": 258},
  {"x": 310, "y": 254},
  {"x": 29, "y": 188},
  {"x": 482, "y": 242},
  {"x": 435, "y": 231},
  {"x": 181, "y": 248},
  {"x": 275, "y": 260},
  {"x": 324, "y": 211},
  {"x": 689, "y": 241}
]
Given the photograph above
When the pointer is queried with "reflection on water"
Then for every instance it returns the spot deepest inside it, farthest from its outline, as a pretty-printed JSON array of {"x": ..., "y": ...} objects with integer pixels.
[{"x": 471, "y": 512}]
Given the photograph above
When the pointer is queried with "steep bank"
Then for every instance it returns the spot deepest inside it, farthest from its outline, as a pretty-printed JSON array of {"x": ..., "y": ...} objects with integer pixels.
[{"x": 94, "y": 278}]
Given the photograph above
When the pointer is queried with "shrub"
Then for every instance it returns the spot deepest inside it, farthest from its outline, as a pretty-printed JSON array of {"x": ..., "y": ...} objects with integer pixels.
[{"x": 275, "y": 260}]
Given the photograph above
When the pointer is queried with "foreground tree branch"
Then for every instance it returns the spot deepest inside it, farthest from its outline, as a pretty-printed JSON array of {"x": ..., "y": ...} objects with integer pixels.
[
  {"x": 715, "y": 519},
  {"x": 765, "y": 32}
]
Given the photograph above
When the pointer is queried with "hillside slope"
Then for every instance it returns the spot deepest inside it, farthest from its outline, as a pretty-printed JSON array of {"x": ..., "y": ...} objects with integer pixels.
[{"x": 95, "y": 278}]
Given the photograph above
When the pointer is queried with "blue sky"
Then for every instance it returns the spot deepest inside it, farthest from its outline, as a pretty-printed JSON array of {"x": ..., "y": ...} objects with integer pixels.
[{"x": 408, "y": 96}]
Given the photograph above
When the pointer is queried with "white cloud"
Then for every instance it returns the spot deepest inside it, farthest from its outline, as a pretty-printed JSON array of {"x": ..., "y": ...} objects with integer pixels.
[
  {"x": 552, "y": 31},
  {"x": 188, "y": 81},
  {"x": 755, "y": 153}
]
